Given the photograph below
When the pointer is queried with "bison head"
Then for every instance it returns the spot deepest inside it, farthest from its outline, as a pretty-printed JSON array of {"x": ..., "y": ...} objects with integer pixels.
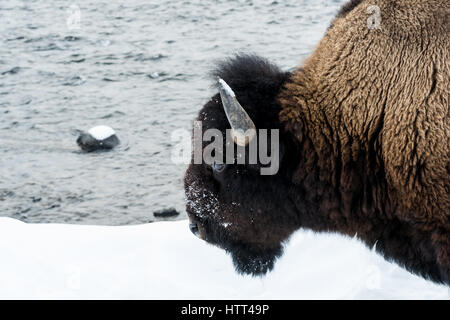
[
  {"x": 230, "y": 203},
  {"x": 359, "y": 144}
]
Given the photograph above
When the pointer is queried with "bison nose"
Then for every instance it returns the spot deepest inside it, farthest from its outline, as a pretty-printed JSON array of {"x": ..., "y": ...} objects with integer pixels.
[{"x": 194, "y": 229}]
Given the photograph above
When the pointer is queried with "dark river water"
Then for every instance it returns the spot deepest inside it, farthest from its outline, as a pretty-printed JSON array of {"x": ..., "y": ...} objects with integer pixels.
[{"x": 140, "y": 67}]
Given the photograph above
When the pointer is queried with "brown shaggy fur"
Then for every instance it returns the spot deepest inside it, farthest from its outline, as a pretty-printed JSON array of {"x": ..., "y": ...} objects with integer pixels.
[{"x": 370, "y": 108}]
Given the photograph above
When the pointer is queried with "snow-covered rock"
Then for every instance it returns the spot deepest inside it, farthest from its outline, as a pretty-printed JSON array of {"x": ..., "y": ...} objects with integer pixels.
[
  {"x": 98, "y": 138},
  {"x": 165, "y": 261}
]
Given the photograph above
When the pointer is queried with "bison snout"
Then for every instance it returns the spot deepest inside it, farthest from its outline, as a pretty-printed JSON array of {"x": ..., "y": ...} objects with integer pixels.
[{"x": 194, "y": 229}]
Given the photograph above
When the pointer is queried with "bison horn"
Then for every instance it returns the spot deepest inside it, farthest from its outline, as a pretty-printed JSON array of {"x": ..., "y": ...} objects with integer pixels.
[{"x": 243, "y": 129}]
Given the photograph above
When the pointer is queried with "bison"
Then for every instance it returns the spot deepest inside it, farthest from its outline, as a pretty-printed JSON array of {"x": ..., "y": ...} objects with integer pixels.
[{"x": 364, "y": 137}]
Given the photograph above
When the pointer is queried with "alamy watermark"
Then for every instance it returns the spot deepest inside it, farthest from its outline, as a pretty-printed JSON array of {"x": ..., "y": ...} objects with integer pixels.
[
  {"x": 222, "y": 150},
  {"x": 374, "y": 21},
  {"x": 73, "y": 20}
]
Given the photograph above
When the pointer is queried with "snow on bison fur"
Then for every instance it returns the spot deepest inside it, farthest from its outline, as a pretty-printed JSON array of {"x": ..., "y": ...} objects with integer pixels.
[{"x": 364, "y": 144}]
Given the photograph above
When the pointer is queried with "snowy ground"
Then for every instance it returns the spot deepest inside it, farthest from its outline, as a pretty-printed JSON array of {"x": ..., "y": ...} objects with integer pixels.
[{"x": 165, "y": 261}]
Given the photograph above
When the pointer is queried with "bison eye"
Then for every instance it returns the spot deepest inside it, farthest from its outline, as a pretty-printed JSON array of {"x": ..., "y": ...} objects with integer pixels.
[{"x": 218, "y": 167}]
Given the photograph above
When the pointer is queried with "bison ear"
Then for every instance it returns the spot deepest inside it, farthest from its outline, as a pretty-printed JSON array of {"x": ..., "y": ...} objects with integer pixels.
[{"x": 243, "y": 130}]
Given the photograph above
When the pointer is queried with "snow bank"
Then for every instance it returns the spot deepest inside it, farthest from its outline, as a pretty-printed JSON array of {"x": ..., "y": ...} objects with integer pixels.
[{"x": 165, "y": 261}]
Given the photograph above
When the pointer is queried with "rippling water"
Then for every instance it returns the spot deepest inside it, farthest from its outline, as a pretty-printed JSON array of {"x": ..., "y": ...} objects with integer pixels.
[{"x": 139, "y": 67}]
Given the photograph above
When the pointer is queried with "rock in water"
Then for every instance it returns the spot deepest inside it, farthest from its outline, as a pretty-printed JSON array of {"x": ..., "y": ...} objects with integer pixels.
[
  {"x": 166, "y": 213},
  {"x": 98, "y": 138}
]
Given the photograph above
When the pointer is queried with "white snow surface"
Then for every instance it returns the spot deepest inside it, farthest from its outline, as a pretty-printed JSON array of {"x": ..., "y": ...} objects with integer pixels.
[
  {"x": 165, "y": 261},
  {"x": 101, "y": 132}
]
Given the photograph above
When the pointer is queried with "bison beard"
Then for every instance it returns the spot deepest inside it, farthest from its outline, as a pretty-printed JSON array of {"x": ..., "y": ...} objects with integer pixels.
[
  {"x": 364, "y": 145},
  {"x": 246, "y": 259},
  {"x": 248, "y": 262}
]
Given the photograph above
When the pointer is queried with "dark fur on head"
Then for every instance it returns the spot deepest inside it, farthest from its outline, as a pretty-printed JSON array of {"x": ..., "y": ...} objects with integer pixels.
[{"x": 257, "y": 83}]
